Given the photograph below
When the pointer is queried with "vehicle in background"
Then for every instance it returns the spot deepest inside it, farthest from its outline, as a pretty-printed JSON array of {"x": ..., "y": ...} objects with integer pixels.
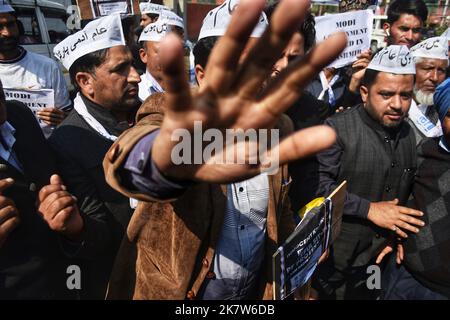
[
  {"x": 42, "y": 25},
  {"x": 378, "y": 38}
]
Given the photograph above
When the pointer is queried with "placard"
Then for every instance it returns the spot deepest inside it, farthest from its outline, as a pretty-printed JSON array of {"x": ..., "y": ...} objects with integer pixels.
[
  {"x": 33, "y": 99},
  {"x": 357, "y": 25},
  {"x": 296, "y": 260}
]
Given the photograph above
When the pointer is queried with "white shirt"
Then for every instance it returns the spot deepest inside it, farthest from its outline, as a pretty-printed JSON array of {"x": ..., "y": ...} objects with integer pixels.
[
  {"x": 34, "y": 71},
  {"x": 7, "y": 131},
  {"x": 148, "y": 86}
]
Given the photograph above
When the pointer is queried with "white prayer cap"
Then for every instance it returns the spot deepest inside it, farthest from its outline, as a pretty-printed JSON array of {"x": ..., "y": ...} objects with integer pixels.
[
  {"x": 151, "y": 8},
  {"x": 393, "y": 59},
  {"x": 431, "y": 48},
  {"x": 154, "y": 32},
  {"x": 5, "y": 7},
  {"x": 102, "y": 33},
  {"x": 217, "y": 20},
  {"x": 171, "y": 19}
]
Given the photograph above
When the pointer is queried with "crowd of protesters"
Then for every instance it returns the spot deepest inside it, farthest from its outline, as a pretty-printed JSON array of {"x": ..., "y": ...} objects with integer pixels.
[{"x": 92, "y": 182}]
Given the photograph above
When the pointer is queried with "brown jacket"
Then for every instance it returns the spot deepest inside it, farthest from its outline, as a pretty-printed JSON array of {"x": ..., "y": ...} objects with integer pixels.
[{"x": 167, "y": 250}]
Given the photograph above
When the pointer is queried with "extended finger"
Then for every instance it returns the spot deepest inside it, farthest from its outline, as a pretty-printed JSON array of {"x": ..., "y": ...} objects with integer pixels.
[
  {"x": 49, "y": 116},
  {"x": 400, "y": 232},
  {"x": 178, "y": 95},
  {"x": 406, "y": 226},
  {"x": 302, "y": 144},
  {"x": 222, "y": 65},
  {"x": 411, "y": 220},
  {"x": 400, "y": 253},
  {"x": 288, "y": 15},
  {"x": 410, "y": 211},
  {"x": 383, "y": 253},
  {"x": 281, "y": 93}
]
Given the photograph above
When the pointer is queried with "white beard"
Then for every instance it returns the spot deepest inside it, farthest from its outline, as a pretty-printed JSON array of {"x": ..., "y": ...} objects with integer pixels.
[{"x": 423, "y": 98}]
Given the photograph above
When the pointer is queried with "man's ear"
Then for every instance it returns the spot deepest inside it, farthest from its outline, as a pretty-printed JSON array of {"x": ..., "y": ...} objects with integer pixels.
[
  {"x": 387, "y": 29},
  {"x": 364, "y": 91},
  {"x": 85, "y": 82},
  {"x": 199, "y": 74},
  {"x": 143, "y": 55}
]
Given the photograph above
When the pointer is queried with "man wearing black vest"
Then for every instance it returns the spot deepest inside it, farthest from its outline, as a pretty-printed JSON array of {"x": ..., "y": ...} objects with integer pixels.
[{"x": 376, "y": 153}]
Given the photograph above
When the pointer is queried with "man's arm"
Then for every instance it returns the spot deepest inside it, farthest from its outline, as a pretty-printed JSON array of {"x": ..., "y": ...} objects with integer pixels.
[
  {"x": 329, "y": 168},
  {"x": 95, "y": 234}
]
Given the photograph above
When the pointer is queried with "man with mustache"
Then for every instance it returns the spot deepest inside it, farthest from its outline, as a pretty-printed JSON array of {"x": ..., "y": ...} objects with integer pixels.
[
  {"x": 431, "y": 58},
  {"x": 26, "y": 70},
  {"x": 100, "y": 66},
  {"x": 376, "y": 153}
]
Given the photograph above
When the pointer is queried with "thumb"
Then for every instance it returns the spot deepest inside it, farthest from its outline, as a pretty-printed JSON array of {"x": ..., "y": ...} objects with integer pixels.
[
  {"x": 395, "y": 201},
  {"x": 55, "y": 179}
]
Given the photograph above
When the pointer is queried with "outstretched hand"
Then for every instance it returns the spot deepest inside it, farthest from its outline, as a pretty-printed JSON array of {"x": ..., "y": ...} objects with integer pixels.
[{"x": 231, "y": 97}]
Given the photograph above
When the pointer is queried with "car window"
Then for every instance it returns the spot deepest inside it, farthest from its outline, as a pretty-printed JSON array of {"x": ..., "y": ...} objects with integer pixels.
[
  {"x": 28, "y": 26},
  {"x": 56, "y": 24}
]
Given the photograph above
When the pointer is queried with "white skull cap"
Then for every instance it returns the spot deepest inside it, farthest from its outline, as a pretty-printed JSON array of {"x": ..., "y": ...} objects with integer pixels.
[
  {"x": 432, "y": 48},
  {"x": 154, "y": 32},
  {"x": 394, "y": 59},
  {"x": 151, "y": 8},
  {"x": 102, "y": 33},
  {"x": 217, "y": 20}
]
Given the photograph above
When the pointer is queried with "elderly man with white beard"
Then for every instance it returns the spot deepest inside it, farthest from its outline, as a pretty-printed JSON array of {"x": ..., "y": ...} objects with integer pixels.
[{"x": 431, "y": 57}]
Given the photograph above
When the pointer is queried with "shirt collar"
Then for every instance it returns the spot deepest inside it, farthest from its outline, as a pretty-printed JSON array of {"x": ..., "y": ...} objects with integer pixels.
[
  {"x": 21, "y": 55},
  {"x": 443, "y": 145},
  {"x": 153, "y": 83},
  {"x": 8, "y": 131},
  {"x": 106, "y": 118}
]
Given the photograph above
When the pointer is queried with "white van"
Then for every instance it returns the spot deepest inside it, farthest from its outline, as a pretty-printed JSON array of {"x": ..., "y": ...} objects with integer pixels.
[{"x": 42, "y": 24}]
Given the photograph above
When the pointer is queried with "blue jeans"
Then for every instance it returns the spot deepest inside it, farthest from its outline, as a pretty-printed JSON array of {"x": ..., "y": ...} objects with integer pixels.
[{"x": 399, "y": 284}]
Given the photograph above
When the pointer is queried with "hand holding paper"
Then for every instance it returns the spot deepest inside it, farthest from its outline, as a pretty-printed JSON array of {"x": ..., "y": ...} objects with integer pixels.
[{"x": 51, "y": 116}]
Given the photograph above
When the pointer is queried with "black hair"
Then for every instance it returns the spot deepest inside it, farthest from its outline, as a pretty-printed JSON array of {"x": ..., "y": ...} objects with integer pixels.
[
  {"x": 307, "y": 29},
  {"x": 416, "y": 8},
  {"x": 87, "y": 63},
  {"x": 202, "y": 50},
  {"x": 369, "y": 77}
]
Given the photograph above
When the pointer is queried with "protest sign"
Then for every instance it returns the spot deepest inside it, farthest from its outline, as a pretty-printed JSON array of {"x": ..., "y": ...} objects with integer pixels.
[
  {"x": 357, "y": 25},
  {"x": 91, "y": 9},
  {"x": 33, "y": 99},
  {"x": 296, "y": 260}
]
